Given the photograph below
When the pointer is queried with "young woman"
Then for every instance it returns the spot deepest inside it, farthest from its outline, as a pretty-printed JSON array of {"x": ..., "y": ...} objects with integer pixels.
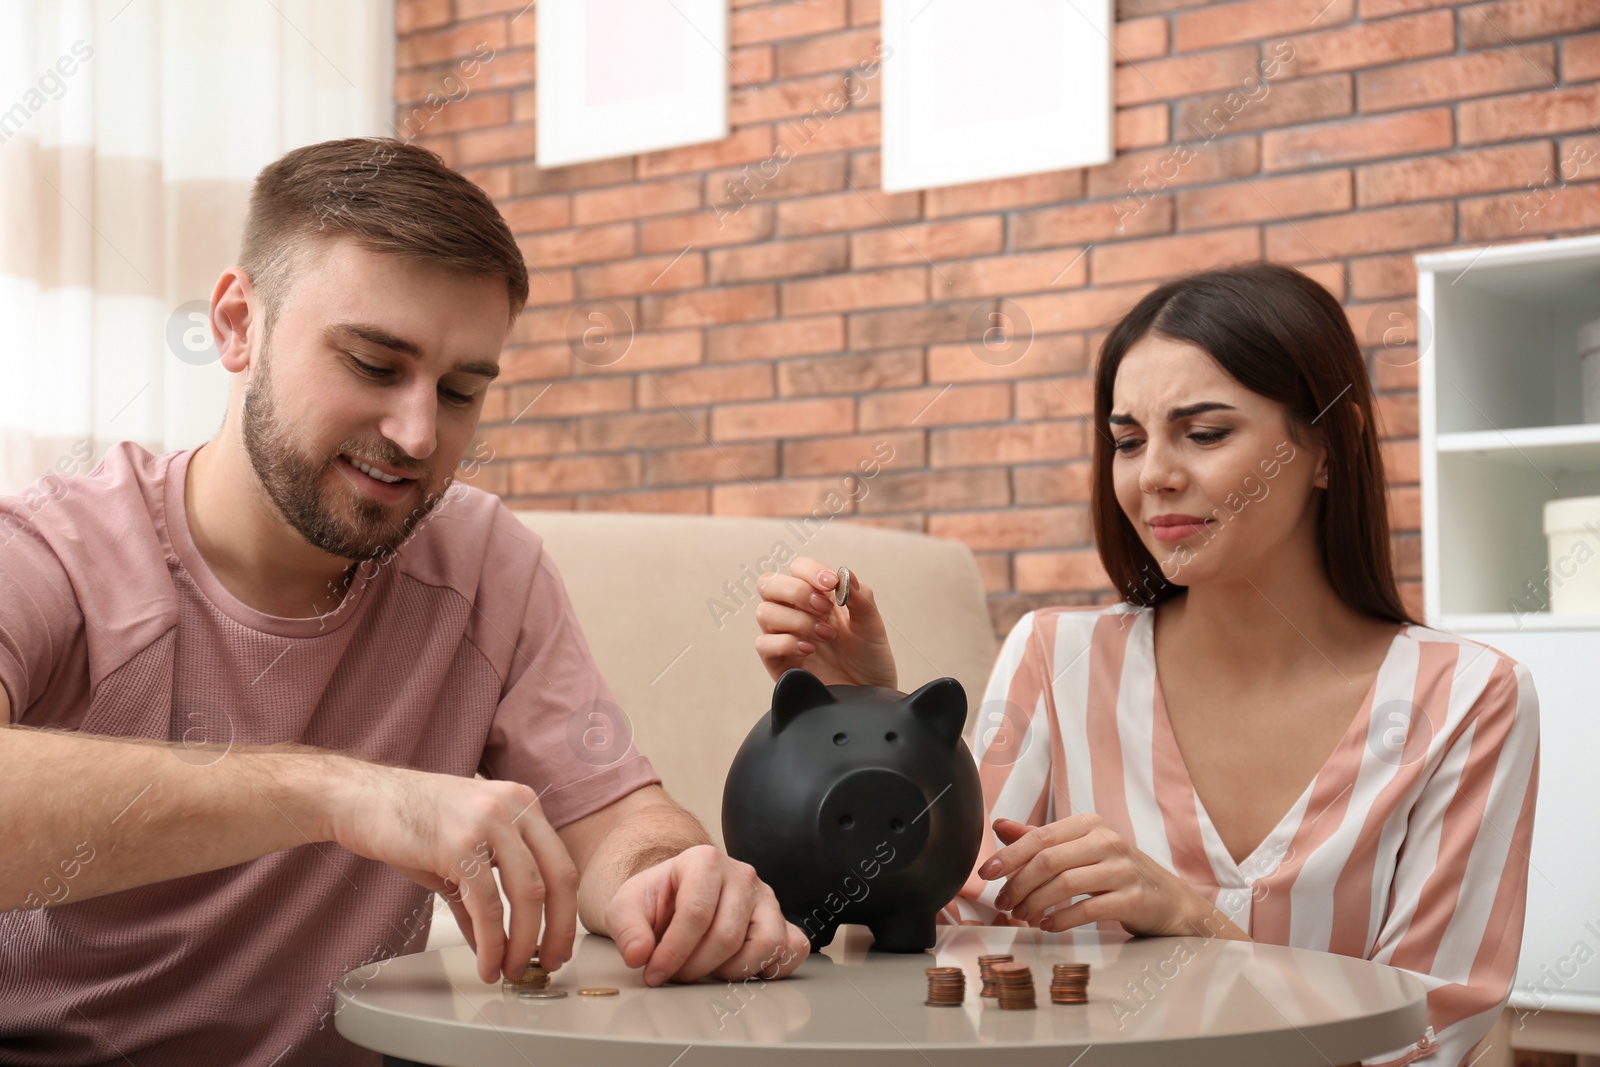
[{"x": 1256, "y": 741}]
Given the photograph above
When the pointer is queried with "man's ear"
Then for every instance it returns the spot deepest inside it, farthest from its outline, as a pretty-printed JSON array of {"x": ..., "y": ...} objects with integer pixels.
[{"x": 233, "y": 318}]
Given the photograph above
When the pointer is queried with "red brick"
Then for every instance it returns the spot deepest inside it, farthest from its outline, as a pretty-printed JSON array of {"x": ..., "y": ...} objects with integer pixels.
[
  {"x": 1457, "y": 77},
  {"x": 936, "y": 406},
  {"x": 828, "y": 52},
  {"x": 1005, "y": 193},
  {"x": 997, "y": 445},
  {"x": 1383, "y": 276},
  {"x": 712, "y": 463},
  {"x": 708, "y": 307},
  {"x": 651, "y": 274},
  {"x": 575, "y": 474},
  {"x": 1363, "y": 232},
  {"x": 498, "y": 144},
  {"x": 1130, "y": 9},
  {"x": 1180, "y": 76},
  {"x": 626, "y": 433},
  {"x": 1265, "y": 200},
  {"x": 1395, "y": 369},
  {"x": 1164, "y": 257},
  {"x": 413, "y": 15},
  {"x": 848, "y": 455},
  {"x": 922, "y": 325},
  {"x": 1402, "y": 462},
  {"x": 466, "y": 9},
  {"x": 1372, "y": 44},
  {"x": 845, "y": 211},
  {"x": 827, "y": 129},
  {"x": 707, "y": 385},
  {"x": 927, "y": 241},
  {"x": 1013, "y": 528},
  {"x": 782, "y": 418},
  {"x": 636, "y": 201},
  {"x": 1047, "y": 572},
  {"x": 649, "y": 350},
  {"x": 1456, "y": 174},
  {"x": 454, "y": 41},
  {"x": 750, "y": 66},
  {"x": 772, "y": 179},
  {"x": 523, "y": 363},
  {"x": 856, "y": 290},
  {"x": 865, "y": 13},
  {"x": 530, "y": 439},
  {"x": 1055, "y": 483},
  {"x": 797, "y": 18},
  {"x": 512, "y": 69},
  {"x": 788, "y": 497},
  {"x": 587, "y": 245},
  {"x": 1056, "y": 355},
  {"x": 655, "y": 502},
  {"x": 994, "y": 568},
  {"x": 495, "y": 180},
  {"x": 1082, "y": 309},
  {"x": 577, "y": 396},
  {"x": 742, "y": 146},
  {"x": 1405, "y": 508},
  {"x": 1374, "y": 9},
  {"x": 529, "y": 178},
  {"x": 1136, "y": 39},
  {"x": 1142, "y": 174},
  {"x": 785, "y": 99},
  {"x": 1289, "y": 103},
  {"x": 1405, "y": 134},
  {"x": 1557, "y": 209},
  {"x": 1509, "y": 118},
  {"x": 864, "y": 372},
  {"x": 706, "y": 229},
  {"x": 1580, "y": 58},
  {"x": 1141, "y": 127},
  {"x": 774, "y": 340},
  {"x": 1495, "y": 22},
  {"x": 780, "y": 259},
  {"x": 1397, "y": 414},
  {"x": 926, "y": 490},
  {"x": 551, "y": 287},
  {"x": 1056, "y": 398},
  {"x": 1077, "y": 224},
  {"x": 535, "y": 213},
  {"x": 1256, "y": 20},
  {"x": 1331, "y": 276},
  {"x": 1018, "y": 272}
]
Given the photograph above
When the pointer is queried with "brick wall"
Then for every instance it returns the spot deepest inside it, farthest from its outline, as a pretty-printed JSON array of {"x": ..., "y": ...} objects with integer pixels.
[{"x": 788, "y": 317}]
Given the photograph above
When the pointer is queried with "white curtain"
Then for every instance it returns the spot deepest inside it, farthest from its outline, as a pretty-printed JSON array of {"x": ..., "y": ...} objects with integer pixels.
[{"x": 130, "y": 131}]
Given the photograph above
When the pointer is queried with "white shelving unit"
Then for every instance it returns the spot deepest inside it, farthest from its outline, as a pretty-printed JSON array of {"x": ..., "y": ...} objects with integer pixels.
[{"x": 1501, "y": 427}]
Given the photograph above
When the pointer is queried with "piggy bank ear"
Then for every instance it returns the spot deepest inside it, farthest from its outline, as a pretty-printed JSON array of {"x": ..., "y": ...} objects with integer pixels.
[
  {"x": 942, "y": 705},
  {"x": 797, "y": 691}
]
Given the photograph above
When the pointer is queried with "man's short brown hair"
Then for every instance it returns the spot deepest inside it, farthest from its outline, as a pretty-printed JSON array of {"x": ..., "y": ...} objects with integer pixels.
[{"x": 388, "y": 195}]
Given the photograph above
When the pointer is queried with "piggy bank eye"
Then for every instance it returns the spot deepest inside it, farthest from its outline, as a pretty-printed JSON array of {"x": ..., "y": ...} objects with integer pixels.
[
  {"x": 891, "y": 736},
  {"x": 840, "y": 739}
]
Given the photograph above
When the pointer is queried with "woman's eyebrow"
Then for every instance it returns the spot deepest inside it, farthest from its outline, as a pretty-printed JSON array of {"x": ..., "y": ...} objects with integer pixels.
[{"x": 1185, "y": 412}]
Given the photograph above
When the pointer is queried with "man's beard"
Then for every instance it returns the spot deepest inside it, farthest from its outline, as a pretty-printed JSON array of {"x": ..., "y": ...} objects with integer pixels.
[{"x": 293, "y": 482}]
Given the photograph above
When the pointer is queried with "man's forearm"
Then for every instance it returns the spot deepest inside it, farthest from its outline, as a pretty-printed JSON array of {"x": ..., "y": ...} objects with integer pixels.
[
  {"x": 639, "y": 841},
  {"x": 82, "y": 815}
]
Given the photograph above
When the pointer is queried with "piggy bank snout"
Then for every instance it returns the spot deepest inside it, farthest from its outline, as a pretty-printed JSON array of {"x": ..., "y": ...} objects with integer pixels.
[{"x": 875, "y": 817}]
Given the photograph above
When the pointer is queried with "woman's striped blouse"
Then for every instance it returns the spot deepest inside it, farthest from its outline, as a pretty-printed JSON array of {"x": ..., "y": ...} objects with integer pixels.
[{"x": 1409, "y": 847}]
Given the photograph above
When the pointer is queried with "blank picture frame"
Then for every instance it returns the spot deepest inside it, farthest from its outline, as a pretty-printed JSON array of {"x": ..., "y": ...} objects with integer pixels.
[
  {"x": 982, "y": 89},
  {"x": 619, "y": 77}
]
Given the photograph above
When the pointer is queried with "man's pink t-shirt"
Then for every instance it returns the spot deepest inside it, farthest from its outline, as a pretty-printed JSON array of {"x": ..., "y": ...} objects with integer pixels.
[{"x": 459, "y": 654}]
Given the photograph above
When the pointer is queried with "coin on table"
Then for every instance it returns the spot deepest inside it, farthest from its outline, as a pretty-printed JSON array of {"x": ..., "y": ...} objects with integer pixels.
[
  {"x": 841, "y": 595},
  {"x": 541, "y": 994},
  {"x": 598, "y": 991}
]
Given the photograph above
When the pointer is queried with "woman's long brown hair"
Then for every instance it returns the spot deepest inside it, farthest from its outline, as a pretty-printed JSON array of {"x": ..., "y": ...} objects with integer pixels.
[{"x": 1283, "y": 336}]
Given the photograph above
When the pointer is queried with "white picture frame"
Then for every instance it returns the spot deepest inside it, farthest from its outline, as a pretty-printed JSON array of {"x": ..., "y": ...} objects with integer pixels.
[
  {"x": 981, "y": 89},
  {"x": 619, "y": 77}
]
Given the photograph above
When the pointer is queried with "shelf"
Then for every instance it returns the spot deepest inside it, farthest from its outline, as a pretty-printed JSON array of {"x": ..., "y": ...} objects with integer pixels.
[
  {"x": 1571, "y": 448},
  {"x": 1502, "y": 622}
]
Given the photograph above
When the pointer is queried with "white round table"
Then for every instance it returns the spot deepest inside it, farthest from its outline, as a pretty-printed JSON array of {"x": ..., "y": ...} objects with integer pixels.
[{"x": 1188, "y": 1001}]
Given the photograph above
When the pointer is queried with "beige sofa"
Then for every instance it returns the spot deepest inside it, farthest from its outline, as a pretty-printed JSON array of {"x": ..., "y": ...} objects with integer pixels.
[{"x": 668, "y": 605}]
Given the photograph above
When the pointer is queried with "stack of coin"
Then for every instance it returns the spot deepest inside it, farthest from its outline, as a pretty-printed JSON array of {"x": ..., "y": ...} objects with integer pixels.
[
  {"x": 1014, "y": 982},
  {"x": 986, "y": 971},
  {"x": 947, "y": 987},
  {"x": 1070, "y": 984},
  {"x": 534, "y": 983}
]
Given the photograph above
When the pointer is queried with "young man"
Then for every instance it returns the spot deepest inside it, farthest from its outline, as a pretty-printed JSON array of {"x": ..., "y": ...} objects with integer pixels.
[{"x": 248, "y": 684}]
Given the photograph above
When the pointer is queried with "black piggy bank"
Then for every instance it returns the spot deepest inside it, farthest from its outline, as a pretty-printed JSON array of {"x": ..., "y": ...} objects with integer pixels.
[{"x": 858, "y": 804}]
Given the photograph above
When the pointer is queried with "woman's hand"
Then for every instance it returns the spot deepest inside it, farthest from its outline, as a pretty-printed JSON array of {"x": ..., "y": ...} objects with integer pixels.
[
  {"x": 802, "y": 627},
  {"x": 1046, "y": 866}
]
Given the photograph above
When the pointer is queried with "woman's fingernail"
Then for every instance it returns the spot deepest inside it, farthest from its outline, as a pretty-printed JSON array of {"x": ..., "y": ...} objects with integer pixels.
[
  {"x": 654, "y": 978},
  {"x": 819, "y": 602},
  {"x": 1002, "y": 902},
  {"x": 805, "y": 647},
  {"x": 826, "y": 632},
  {"x": 1020, "y": 911},
  {"x": 826, "y": 579},
  {"x": 990, "y": 869}
]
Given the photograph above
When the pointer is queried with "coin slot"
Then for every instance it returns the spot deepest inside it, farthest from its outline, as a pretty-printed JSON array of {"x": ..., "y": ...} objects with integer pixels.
[{"x": 840, "y": 739}]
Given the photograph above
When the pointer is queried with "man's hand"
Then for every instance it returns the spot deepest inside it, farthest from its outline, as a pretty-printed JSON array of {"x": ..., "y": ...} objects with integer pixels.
[
  {"x": 450, "y": 834},
  {"x": 701, "y": 913}
]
